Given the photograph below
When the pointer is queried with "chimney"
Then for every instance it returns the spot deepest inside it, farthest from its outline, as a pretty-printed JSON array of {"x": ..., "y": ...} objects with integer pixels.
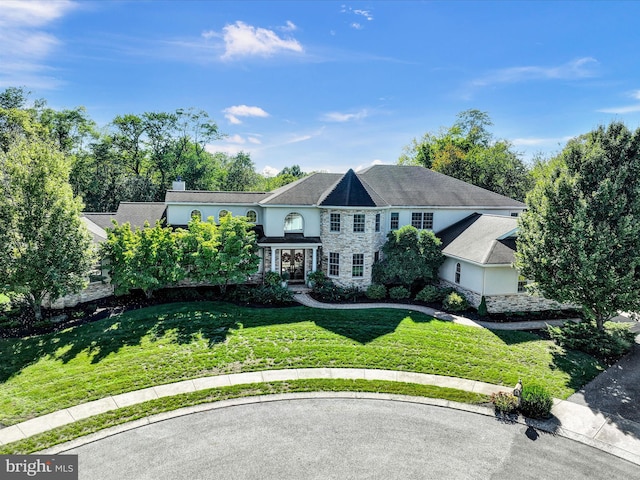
[{"x": 178, "y": 184}]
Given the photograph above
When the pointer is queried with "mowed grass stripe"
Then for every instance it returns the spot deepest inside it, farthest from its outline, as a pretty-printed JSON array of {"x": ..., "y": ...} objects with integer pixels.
[{"x": 174, "y": 342}]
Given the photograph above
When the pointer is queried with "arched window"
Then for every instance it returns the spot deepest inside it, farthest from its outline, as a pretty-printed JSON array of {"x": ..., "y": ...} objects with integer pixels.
[
  {"x": 196, "y": 214},
  {"x": 252, "y": 216},
  {"x": 293, "y": 223},
  {"x": 223, "y": 213},
  {"x": 458, "y": 269}
]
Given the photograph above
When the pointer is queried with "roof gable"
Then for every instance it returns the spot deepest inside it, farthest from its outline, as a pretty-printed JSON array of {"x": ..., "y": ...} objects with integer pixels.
[
  {"x": 349, "y": 191},
  {"x": 481, "y": 239}
]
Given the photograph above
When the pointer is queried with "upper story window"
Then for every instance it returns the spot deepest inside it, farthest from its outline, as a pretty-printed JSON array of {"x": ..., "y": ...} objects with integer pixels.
[
  {"x": 395, "y": 220},
  {"x": 334, "y": 222},
  {"x": 223, "y": 213},
  {"x": 293, "y": 223},
  {"x": 422, "y": 220},
  {"x": 458, "y": 272},
  {"x": 514, "y": 214},
  {"x": 358, "y": 222},
  {"x": 196, "y": 214},
  {"x": 357, "y": 265},
  {"x": 252, "y": 216},
  {"x": 377, "y": 222}
]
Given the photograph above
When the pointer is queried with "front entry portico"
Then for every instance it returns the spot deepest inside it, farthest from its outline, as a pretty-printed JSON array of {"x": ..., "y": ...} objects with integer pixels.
[{"x": 292, "y": 261}]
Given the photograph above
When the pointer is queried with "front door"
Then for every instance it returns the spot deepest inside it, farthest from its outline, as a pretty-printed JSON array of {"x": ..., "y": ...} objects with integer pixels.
[{"x": 292, "y": 261}]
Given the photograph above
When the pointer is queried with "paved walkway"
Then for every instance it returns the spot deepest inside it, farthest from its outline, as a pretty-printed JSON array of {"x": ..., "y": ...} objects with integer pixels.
[
  {"x": 306, "y": 300},
  {"x": 570, "y": 420}
]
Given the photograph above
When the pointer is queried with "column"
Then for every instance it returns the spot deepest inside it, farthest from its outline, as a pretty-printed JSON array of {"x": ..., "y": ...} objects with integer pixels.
[
  {"x": 273, "y": 259},
  {"x": 314, "y": 261}
]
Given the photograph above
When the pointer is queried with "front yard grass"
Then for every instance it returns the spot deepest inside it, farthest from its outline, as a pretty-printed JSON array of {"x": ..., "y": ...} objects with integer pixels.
[{"x": 173, "y": 342}]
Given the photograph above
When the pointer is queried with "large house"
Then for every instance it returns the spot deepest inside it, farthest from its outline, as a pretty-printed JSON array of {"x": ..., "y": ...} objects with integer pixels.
[{"x": 339, "y": 222}]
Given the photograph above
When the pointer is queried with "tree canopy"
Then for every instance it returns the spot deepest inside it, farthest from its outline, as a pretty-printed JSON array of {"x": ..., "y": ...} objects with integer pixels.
[
  {"x": 412, "y": 258},
  {"x": 579, "y": 238},
  {"x": 468, "y": 151},
  {"x": 46, "y": 249}
]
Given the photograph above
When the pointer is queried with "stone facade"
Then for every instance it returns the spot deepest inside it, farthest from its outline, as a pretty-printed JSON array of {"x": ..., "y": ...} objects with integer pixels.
[
  {"x": 94, "y": 291},
  {"x": 346, "y": 243},
  {"x": 516, "y": 302}
]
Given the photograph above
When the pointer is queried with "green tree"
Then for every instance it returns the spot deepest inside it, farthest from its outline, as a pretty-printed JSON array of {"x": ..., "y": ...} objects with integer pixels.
[
  {"x": 237, "y": 256},
  {"x": 240, "y": 174},
  {"x": 467, "y": 151},
  {"x": 200, "y": 245},
  {"x": 579, "y": 238},
  {"x": 46, "y": 249},
  {"x": 148, "y": 258},
  {"x": 412, "y": 258}
]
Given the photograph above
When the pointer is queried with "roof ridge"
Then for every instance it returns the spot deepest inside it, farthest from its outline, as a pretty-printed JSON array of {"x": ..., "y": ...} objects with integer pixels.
[
  {"x": 352, "y": 188},
  {"x": 285, "y": 188},
  {"x": 487, "y": 255},
  {"x": 369, "y": 187}
]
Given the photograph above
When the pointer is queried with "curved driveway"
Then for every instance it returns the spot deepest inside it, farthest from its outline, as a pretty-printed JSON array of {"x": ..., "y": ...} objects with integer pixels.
[{"x": 341, "y": 439}]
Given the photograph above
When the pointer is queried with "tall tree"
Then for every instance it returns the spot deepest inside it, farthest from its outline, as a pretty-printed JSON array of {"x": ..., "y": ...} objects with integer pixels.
[
  {"x": 468, "y": 151},
  {"x": 46, "y": 249},
  {"x": 240, "y": 174},
  {"x": 579, "y": 237}
]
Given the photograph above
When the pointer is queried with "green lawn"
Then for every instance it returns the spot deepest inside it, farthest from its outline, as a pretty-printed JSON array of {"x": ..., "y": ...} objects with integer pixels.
[{"x": 174, "y": 342}]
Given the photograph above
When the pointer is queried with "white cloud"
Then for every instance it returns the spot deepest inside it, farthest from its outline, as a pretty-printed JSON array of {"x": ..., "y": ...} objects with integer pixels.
[
  {"x": 374, "y": 162},
  {"x": 254, "y": 140},
  {"x": 579, "y": 68},
  {"x": 344, "y": 117},
  {"x": 235, "y": 139},
  {"x": 233, "y": 113},
  {"x": 365, "y": 13},
  {"x": 633, "y": 108},
  {"x": 24, "y": 46},
  {"x": 289, "y": 27},
  {"x": 269, "y": 171},
  {"x": 242, "y": 40},
  {"x": 357, "y": 26}
]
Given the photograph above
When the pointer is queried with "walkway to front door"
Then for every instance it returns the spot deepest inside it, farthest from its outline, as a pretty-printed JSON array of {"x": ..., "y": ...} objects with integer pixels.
[{"x": 292, "y": 261}]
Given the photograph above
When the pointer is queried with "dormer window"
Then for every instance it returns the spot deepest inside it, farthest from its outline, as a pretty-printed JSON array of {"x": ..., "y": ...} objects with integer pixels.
[{"x": 293, "y": 223}]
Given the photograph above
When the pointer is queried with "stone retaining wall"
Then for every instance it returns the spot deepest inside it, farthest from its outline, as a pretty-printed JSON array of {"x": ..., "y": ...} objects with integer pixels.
[{"x": 517, "y": 302}]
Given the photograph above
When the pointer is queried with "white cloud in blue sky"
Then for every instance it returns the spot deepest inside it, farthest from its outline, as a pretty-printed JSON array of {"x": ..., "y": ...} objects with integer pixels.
[
  {"x": 300, "y": 83},
  {"x": 243, "y": 40}
]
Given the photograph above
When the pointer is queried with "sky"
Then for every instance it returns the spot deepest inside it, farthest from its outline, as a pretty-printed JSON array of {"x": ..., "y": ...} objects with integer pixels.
[{"x": 334, "y": 85}]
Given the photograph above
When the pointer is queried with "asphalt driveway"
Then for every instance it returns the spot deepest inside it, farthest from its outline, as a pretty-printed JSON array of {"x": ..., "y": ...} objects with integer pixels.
[{"x": 342, "y": 439}]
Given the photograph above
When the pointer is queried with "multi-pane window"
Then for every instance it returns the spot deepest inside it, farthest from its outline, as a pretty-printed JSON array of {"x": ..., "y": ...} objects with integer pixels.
[
  {"x": 334, "y": 264},
  {"x": 358, "y": 222},
  {"x": 422, "y": 220},
  {"x": 522, "y": 282},
  {"x": 293, "y": 223},
  {"x": 377, "y": 222},
  {"x": 334, "y": 222},
  {"x": 395, "y": 220},
  {"x": 458, "y": 271},
  {"x": 357, "y": 266},
  {"x": 376, "y": 257}
]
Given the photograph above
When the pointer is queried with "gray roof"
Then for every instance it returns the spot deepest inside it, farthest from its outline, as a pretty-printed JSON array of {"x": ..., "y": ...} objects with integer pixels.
[
  {"x": 224, "y": 198},
  {"x": 478, "y": 238},
  {"x": 306, "y": 191},
  {"x": 377, "y": 186},
  {"x": 402, "y": 185},
  {"x": 136, "y": 213}
]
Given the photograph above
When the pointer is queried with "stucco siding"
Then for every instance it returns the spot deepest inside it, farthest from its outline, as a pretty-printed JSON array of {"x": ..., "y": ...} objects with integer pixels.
[
  {"x": 274, "y": 220},
  {"x": 501, "y": 281},
  {"x": 181, "y": 214},
  {"x": 471, "y": 276}
]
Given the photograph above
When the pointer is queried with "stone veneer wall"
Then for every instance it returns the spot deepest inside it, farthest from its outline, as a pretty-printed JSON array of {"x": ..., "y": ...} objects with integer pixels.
[
  {"x": 516, "y": 302},
  {"x": 94, "y": 291},
  {"x": 346, "y": 242}
]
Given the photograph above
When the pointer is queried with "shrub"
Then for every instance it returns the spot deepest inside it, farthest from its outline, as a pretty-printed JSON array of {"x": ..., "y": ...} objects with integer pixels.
[
  {"x": 376, "y": 292},
  {"x": 482, "y": 308},
  {"x": 609, "y": 345},
  {"x": 430, "y": 293},
  {"x": 454, "y": 302},
  {"x": 504, "y": 403},
  {"x": 272, "y": 279},
  {"x": 399, "y": 293},
  {"x": 317, "y": 277},
  {"x": 330, "y": 292},
  {"x": 535, "y": 402},
  {"x": 264, "y": 295}
]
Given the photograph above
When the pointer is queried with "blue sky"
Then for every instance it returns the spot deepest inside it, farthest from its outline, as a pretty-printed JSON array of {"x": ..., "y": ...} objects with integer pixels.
[{"x": 334, "y": 85}]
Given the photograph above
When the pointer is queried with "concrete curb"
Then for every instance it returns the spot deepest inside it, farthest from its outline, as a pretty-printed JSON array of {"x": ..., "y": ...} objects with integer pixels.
[
  {"x": 307, "y": 301},
  {"x": 573, "y": 421}
]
